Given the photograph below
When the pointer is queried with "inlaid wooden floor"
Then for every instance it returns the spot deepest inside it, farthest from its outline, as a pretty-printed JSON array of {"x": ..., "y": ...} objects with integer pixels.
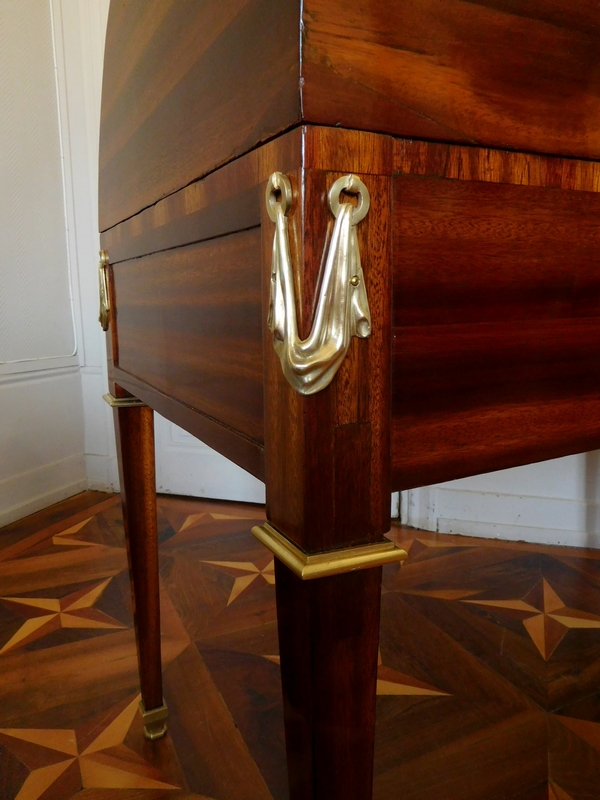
[{"x": 488, "y": 679}]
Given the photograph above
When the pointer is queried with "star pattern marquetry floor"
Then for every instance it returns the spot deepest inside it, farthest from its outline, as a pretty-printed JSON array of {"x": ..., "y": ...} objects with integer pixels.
[{"x": 488, "y": 683}]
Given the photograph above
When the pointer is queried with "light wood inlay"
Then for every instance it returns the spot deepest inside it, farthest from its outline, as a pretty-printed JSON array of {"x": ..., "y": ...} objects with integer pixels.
[{"x": 489, "y": 655}]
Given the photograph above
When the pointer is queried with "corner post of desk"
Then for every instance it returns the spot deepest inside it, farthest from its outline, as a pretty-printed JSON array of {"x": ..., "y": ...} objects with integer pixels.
[{"x": 328, "y": 482}]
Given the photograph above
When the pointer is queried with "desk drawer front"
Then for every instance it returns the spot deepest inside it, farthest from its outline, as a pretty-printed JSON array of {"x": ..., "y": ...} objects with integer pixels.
[{"x": 189, "y": 324}]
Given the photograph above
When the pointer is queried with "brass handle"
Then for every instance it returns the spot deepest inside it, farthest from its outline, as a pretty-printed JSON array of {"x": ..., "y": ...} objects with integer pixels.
[
  {"x": 103, "y": 318},
  {"x": 342, "y": 307}
]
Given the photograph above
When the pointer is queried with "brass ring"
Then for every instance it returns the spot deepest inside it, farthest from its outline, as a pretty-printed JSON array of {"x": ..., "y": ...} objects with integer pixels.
[
  {"x": 353, "y": 185},
  {"x": 278, "y": 182}
]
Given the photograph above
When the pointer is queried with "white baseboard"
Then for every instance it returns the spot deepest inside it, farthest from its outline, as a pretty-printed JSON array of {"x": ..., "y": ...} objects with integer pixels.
[
  {"x": 519, "y": 533},
  {"x": 39, "y": 488},
  {"x": 541, "y": 520}
]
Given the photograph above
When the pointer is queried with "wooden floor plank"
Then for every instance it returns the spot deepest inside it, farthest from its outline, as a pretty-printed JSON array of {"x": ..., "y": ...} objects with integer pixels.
[
  {"x": 203, "y": 725},
  {"x": 54, "y": 514},
  {"x": 138, "y": 794},
  {"x": 487, "y": 685}
]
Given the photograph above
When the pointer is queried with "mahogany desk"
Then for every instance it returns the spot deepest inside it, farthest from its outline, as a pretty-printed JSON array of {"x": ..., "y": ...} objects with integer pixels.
[{"x": 475, "y": 128}]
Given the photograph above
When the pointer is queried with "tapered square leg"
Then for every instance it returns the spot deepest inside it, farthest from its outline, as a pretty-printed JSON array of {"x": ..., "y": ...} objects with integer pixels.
[
  {"x": 328, "y": 639},
  {"x": 327, "y": 459},
  {"x": 135, "y": 442}
]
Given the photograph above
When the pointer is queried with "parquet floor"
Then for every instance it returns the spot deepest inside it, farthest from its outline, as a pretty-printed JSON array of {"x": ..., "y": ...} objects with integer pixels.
[{"x": 488, "y": 679}]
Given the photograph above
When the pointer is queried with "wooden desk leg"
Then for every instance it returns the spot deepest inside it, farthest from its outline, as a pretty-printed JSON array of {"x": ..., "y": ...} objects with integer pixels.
[
  {"x": 328, "y": 638},
  {"x": 327, "y": 466},
  {"x": 135, "y": 445}
]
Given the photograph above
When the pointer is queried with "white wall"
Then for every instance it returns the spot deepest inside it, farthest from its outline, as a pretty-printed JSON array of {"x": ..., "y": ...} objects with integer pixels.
[
  {"x": 56, "y": 434},
  {"x": 80, "y": 27},
  {"x": 41, "y": 415}
]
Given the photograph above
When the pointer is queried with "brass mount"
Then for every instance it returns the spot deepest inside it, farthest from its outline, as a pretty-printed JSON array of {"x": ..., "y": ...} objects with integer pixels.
[
  {"x": 122, "y": 402},
  {"x": 155, "y": 725},
  {"x": 333, "y": 562}
]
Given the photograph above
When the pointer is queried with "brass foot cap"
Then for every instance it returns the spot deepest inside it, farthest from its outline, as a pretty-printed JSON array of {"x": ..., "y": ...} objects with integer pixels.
[{"x": 155, "y": 725}]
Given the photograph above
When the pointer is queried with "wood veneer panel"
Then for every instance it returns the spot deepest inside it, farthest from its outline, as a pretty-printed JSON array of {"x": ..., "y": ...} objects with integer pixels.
[
  {"x": 230, "y": 199},
  {"x": 240, "y": 449},
  {"x": 496, "y": 312},
  {"x": 226, "y": 201},
  {"x": 471, "y": 251},
  {"x": 188, "y": 86},
  {"x": 494, "y": 166},
  {"x": 495, "y": 72},
  {"x": 189, "y": 324},
  {"x": 431, "y": 448}
]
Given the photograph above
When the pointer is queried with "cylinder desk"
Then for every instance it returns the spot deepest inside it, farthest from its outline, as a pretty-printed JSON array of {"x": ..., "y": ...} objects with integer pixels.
[{"x": 353, "y": 247}]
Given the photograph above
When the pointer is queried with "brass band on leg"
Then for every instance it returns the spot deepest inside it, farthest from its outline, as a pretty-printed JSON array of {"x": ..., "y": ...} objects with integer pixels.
[
  {"x": 155, "y": 725},
  {"x": 333, "y": 562},
  {"x": 122, "y": 402}
]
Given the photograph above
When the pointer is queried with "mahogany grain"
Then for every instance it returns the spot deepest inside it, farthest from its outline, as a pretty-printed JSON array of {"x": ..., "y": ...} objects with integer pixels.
[
  {"x": 308, "y": 454},
  {"x": 496, "y": 311},
  {"x": 413, "y": 157},
  {"x": 503, "y": 74},
  {"x": 306, "y": 433},
  {"x": 472, "y": 251},
  {"x": 328, "y": 637},
  {"x": 521, "y": 75},
  {"x": 224, "y": 202},
  {"x": 175, "y": 104},
  {"x": 189, "y": 325},
  {"x": 480, "y": 272},
  {"x": 135, "y": 441},
  {"x": 240, "y": 449}
]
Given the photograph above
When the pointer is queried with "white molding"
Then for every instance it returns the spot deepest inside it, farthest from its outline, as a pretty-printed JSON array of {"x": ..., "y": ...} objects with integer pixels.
[
  {"x": 519, "y": 533},
  {"x": 41, "y": 426},
  {"x": 10, "y": 368},
  {"x": 34, "y": 375},
  {"x": 70, "y": 208},
  {"x": 27, "y": 493},
  {"x": 79, "y": 45},
  {"x": 93, "y": 370},
  {"x": 572, "y": 520}
]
